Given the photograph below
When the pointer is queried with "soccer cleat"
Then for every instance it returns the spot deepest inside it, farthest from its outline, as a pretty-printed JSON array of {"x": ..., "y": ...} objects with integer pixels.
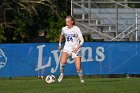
[
  {"x": 42, "y": 77},
  {"x": 60, "y": 77},
  {"x": 82, "y": 81}
]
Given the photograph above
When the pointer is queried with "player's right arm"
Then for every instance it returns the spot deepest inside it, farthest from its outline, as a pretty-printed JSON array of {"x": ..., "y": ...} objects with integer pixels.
[{"x": 60, "y": 39}]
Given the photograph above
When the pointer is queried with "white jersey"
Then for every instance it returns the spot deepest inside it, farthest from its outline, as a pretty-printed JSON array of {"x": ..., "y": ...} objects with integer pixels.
[{"x": 72, "y": 35}]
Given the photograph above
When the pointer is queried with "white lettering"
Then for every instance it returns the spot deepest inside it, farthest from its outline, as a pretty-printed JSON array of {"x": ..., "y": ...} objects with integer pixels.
[
  {"x": 89, "y": 50},
  {"x": 100, "y": 54},
  {"x": 57, "y": 58},
  {"x": 40, "y": 54},
  {"x": 84, "y": 50}
]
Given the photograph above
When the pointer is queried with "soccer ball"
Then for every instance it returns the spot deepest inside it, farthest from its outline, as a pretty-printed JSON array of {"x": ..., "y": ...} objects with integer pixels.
[{"x": 50, "y": 79}]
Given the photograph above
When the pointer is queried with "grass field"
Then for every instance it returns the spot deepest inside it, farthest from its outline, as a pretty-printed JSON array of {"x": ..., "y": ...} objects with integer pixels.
[{"x": 71, "y": 85}]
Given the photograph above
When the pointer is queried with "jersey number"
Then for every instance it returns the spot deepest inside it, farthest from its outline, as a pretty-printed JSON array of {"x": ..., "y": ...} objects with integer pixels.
[{"x": 69, "y": 38}]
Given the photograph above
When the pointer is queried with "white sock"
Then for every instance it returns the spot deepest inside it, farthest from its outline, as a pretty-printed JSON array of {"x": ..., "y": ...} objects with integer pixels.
[
  {"x": 62, "y": 68},
  {"x": 80, "y": 74}
]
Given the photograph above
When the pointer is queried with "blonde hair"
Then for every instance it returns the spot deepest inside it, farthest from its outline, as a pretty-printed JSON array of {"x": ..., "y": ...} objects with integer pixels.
[{"x": 72, "y": 18}]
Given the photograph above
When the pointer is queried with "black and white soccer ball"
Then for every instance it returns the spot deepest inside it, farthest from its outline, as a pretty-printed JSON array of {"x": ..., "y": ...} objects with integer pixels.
[{"x": 50, "y": 79}]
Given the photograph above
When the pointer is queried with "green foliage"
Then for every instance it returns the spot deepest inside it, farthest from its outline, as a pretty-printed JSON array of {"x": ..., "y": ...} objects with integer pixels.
[
  {"x": 20, "y": 19},
  {"x": 2, "y": 38},
  {"x": 55, "y": 26}
]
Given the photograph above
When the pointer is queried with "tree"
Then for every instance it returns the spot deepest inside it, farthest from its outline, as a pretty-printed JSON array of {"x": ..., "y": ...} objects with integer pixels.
[{"x": 21, "y": 19}]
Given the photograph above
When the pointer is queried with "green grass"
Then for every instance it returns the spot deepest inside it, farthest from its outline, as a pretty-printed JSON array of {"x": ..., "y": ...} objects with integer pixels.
[{"x": 71, "y": 85}]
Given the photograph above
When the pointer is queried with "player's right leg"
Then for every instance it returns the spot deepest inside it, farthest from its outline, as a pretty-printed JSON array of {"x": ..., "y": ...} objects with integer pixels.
[{"x": 63, "y": 61}]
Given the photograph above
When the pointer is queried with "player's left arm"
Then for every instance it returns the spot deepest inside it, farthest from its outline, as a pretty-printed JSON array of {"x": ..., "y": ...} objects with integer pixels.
[
  {"x": 81, "y": 41},
  {"x": 80, "y": 44}
]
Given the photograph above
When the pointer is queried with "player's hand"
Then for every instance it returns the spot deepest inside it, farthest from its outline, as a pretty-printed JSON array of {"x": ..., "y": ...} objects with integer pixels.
[
  {"x": 76, "y": 49},
  {"x": 59, "y": 47}
]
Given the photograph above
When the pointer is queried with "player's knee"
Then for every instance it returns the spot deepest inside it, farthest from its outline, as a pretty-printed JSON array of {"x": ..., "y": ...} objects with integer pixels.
[{"x": 62, "y": 61}]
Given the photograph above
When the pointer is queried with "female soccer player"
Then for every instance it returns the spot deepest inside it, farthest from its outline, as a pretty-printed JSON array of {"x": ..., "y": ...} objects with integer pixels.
[{"x": 74, "y": 40}]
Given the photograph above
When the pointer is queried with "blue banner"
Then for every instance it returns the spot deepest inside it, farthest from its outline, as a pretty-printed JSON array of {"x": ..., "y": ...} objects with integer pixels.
[{"x": 43, "y": 59}]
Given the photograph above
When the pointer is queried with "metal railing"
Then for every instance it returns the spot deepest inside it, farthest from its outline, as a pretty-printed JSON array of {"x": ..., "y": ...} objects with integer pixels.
[
  {"x": 136, "y": 20},
  {"x": 93, "y": 30},
  {"x": 122, "y": 34},
  {"x": 127, "y": 29}
]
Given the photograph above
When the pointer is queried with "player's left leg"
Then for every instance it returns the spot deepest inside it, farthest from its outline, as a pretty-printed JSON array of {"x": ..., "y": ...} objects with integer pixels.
[{"x": 77, "y": 61}]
